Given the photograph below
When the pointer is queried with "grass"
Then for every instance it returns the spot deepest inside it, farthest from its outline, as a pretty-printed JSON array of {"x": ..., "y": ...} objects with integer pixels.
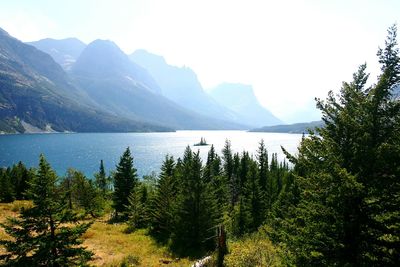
[{"x": 110, "y": 243}]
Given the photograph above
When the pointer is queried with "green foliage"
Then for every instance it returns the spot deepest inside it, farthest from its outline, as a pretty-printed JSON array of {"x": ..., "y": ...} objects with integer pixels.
[
  {"x": 125, "y": 180},
  {"x": 21, "y": 178},
  {"x": 138, "y": 208},
  {"x": 253, "y": 251},
  {"x": 102, "y": 181},
  {"x": 7, "y": 194},
  {"x": 341, "y": 209},
  {"x": 14, "y": 182},
  {"x": 163, "y": 203},
  {"x": 42, "y": 235},
  {"x": 81, "y": 193},
  {"x": 191, "y": 200},
  {"x": 194, "y": 210}
]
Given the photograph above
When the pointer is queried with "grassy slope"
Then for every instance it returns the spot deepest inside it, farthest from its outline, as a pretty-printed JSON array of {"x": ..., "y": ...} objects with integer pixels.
[{"x": 110, "y": 243}]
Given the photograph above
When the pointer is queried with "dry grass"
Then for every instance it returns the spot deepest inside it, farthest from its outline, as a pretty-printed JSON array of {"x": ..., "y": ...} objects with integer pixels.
[{"x": 110, "y": 243}]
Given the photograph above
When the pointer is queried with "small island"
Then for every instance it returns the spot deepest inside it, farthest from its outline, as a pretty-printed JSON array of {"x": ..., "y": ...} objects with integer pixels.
[{"x": 202, "y": 142}]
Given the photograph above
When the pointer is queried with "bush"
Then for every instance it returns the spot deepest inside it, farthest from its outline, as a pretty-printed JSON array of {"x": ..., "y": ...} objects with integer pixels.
[{"x": 254, "y": 251}]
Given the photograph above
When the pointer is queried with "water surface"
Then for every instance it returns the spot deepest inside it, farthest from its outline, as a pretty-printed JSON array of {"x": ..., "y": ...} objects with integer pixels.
[{"x": 83, "y": 151}]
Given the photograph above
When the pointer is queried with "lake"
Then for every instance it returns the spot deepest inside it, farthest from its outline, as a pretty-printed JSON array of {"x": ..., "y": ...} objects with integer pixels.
[{"x": 83, "y": 151}]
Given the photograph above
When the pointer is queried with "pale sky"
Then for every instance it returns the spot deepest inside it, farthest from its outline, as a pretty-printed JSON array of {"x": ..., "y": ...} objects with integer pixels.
[{"x": 289, "y": 50}]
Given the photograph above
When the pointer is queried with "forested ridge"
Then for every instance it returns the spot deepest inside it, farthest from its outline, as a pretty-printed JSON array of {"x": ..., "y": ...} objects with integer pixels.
[{"x": 335, "y": 204}]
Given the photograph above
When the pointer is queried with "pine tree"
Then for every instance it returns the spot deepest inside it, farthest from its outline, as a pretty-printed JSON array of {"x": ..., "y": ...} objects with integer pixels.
[
  {"x": 255, "y": 197},
  {"x": 194, "y": 210},
  {"x": 125, "y": 179},
  {"x": 21, "y": 177},
  {"x": 264, "y": 179},
  {"x": 42, "y": 235},
  {"x": 86, "y": 195},
  {"x": 216, "y": 184},
  {"x": 6, "y": 187},
  {"x": 262, "y": 157},
  {"x": 348, "y": 175},
  {"x": 137, "y": 208},
  {"x": 162, "y": 216},
  {"x": 67, "y": 187},
  {"x": 228, "y": 171},
  {"x": 102, "y": 182}
]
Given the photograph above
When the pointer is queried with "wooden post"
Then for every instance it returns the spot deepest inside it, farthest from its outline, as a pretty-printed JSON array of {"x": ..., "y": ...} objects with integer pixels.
[{"x": 222, "y": 248}]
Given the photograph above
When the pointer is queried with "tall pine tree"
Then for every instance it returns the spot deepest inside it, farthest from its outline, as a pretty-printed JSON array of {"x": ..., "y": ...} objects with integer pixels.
[
  {"x": 162, "y": 212},
  {"x": 125, "y": 179}
]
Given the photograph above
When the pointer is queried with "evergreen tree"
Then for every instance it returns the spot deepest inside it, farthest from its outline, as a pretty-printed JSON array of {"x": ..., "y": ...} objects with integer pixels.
[
  {"x": 348, "y": 175},
  {"x": 162, "y": 212},
  {"x": 216, "y": 183},
  {"x": 6, "y": 187},
  {"x": 241, "y": 216},
  {"x": 86, "y": 195},
  {"x": 138, "y": 209},
  {"x": 213, "y": 165},
  {"x": 67, "y": 187},
  {"x": 234, "y": 183},
  {"x": 194, "y": 209},
  {"x": 255, "y": 197},
  {"x": 262, "y": 156},
  {"x": 21, "y": 177},
  {"x": 102, "y": 182},
  {"x": 228, "y": 171},
  {"x": 125, "y": 179},
  {"x": 42, "y": 235},
  {"x": 264, "y": 179}
]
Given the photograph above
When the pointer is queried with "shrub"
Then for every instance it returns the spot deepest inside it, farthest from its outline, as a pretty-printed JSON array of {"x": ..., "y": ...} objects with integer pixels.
[{"x": 253, "y": 251}]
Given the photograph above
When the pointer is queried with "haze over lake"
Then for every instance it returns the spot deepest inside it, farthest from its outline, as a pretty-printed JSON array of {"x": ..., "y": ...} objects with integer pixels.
[{"x": 84, "y": 151}]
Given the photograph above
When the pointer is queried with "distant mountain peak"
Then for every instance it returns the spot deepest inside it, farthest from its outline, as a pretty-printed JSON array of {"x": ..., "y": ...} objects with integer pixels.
[
  {"x": 104, "y": 44},
  {"x": 241, "y": 99},
  {"x": 103, "y": 58},
  {"x": 181, "y": 85},
  {"x": 63, "y": 51}
]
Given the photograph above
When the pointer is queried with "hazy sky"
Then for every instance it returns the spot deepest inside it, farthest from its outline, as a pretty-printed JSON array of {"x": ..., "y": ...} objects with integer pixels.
[{"x": 290, "y": 51}]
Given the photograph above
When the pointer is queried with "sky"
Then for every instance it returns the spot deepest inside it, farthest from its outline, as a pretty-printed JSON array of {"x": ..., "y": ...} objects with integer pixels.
[{"x": 290, "y": 51}]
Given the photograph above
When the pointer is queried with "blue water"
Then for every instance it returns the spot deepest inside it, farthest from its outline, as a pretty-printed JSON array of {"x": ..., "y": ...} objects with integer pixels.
[{"x": 83, "y": 151}]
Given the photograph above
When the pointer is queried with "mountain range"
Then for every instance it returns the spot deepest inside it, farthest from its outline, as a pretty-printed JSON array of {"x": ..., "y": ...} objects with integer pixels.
[
  {"x": 181, "y": 85},
  {"x": 66, "y": 85},
  {"x": 36, "y": 93},
  {"x": 112, "y": 80},
  {"x": 290, "y": 128}
]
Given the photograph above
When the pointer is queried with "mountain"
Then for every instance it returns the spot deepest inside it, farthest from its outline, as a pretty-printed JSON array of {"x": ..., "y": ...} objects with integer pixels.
[
  {"x": 241, "y": 99},
  {"x": 116, "y": 83},
  {"x": 104, "y": 59},
  {"x": 290, "y": 128},
  {"x": 36, "y": 94},
  {"x": 181, "y": 85},
  {"x": 64, "y": 52}
]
